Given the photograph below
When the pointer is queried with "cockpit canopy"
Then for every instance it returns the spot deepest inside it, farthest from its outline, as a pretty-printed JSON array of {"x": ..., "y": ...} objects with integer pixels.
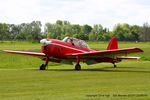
[{"x": 76, "y": 42}]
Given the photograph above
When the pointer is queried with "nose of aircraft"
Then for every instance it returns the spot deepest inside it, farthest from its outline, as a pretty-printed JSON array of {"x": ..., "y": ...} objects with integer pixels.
[{"x": 44, "y": 42}]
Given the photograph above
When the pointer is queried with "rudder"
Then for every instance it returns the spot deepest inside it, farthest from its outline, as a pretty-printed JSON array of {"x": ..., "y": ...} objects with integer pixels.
[{"x": 113, "y": 44}]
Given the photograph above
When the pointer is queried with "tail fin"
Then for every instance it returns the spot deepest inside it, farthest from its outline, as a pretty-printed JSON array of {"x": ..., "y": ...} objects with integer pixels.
[{"x": 113, "y": 44}]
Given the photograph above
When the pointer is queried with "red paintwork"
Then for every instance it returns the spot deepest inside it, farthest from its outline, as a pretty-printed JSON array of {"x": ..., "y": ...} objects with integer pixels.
[
  {"x": 112, "y": 44},
  {"x": 58, "y": 51},
  {"x": 78, "y": 59}
]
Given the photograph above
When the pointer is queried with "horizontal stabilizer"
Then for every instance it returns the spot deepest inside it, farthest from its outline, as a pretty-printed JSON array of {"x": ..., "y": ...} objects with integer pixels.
[{"x": 137, "y": 58}]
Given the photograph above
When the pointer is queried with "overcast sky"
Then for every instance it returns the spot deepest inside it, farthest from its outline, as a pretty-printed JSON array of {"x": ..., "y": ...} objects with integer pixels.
[{"x": 105, "y": 12}]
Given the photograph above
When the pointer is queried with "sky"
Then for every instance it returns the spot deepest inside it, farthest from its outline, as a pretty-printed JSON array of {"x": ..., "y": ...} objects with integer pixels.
[{"x": 105, "y": 12}]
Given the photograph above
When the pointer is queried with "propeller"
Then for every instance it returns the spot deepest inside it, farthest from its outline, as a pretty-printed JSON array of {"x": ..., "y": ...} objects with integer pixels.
[{"x": 44, "y": 42}]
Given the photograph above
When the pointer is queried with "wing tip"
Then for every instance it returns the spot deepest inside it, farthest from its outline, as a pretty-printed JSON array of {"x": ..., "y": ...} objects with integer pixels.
[
  {"x": 6, "y": 50},
  {"x": 138, "y": 58},
  {"x": 140, "y": 50}
]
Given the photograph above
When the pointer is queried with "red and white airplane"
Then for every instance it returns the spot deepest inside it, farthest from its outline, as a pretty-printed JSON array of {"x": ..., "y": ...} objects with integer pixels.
[{"x": 71, "y": 50}]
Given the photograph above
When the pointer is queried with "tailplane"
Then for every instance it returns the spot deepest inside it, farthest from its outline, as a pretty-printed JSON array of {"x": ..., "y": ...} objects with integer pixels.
[{"x": 113, "y": 44}]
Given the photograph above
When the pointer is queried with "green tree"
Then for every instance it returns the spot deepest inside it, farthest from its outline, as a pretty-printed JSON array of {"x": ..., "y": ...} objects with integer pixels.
[
  {"x": 83, "y": 36},
  {"x": 92, "y": 36},
  {"x": 59, "y": 22},
  {"x": 136, "y": 30},
  {"x": 76, "y": 29},
  {"x": 67, "y": 28},
  {"x": 86, "y": 29},
  {"x": 67, "y": 34},
  {"x": 20, "y": 36},
  {"x": 50, "y": 36},
  {"x": 35, "y": 29},
  {"x": 66, "y": 22},
  {"x": 98, "y": 32},
  {"x": 55, "y": 29},
  {"x": 29, "y": 38},
  {"x": 122, "y": 32},
  {"x": 145, "y": 32},
  {"x": 4, "y": 31},
  {"x": 22, "y": 33},
  {"x": 13, "y": 30},
  {"x": 58, "y": 31}
]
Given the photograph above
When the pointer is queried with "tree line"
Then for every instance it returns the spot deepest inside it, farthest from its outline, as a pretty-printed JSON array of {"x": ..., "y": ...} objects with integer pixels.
[{"x": 33, "y": 31}]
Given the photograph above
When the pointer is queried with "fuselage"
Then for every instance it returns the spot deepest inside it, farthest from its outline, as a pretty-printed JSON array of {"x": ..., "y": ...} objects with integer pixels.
[{"x": 58, "y": 48}]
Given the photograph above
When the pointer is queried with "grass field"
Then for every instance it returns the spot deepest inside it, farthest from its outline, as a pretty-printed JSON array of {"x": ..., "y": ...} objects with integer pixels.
[{"x": 21, "y": 79}]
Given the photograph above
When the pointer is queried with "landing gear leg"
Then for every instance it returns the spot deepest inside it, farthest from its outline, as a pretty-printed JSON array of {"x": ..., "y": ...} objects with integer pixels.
[
  {"x": 43, "y": 66},
  {"x": 78, "y": 67}
]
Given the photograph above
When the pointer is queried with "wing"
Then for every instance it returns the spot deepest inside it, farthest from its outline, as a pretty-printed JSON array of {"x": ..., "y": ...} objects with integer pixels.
[
  {"x": 107, "y": 53},
  {"x": 25, "y": 53}
]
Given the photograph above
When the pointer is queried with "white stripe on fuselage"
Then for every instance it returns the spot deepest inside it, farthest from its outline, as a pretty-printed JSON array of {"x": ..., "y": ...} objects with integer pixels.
[{"x": 68, "y": 47}]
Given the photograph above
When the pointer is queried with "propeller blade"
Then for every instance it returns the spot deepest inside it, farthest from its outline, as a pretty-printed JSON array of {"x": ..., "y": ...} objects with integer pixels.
[{"x": 44, "y": 42}]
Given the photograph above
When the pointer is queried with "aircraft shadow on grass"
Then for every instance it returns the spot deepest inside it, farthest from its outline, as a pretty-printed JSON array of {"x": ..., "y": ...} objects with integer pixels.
[{"x": 106, "y": 69}]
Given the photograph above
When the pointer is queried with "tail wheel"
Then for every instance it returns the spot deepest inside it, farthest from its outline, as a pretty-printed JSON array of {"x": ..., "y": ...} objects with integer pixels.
[
  {"x": 77, "y": 67},
  {"x": 115, "y": 66}
]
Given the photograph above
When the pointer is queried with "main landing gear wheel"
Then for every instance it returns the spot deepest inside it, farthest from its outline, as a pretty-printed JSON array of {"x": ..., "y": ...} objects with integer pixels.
[
  {"x": 77, "y": 67},
  {"x": 42, "y": 67}
]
